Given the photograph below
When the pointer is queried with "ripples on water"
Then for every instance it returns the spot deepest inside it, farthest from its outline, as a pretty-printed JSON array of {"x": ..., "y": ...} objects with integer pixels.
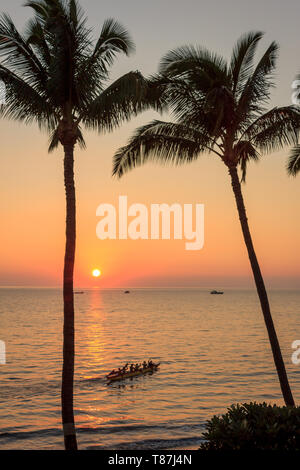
[{"x": 213, "y": 349}]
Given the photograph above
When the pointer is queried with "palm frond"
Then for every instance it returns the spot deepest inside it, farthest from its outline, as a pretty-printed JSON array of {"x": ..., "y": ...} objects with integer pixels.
[
  {"x": 257, "y": 89},
  {"x": 70, "y": 41},
  {"x": 75, "y": 13},
  {"x": 275, "y": 129},
  {"x": 124, "y": 98},
  {"x": 24, "y": 103},
  {"x": 171, "y": 129},
  {"x": 241, "y": 63},
  {"x": 114, "y": 38},
  {"x": 200, "y": 89},
  {"x": 17, "y": 54},
  {"x": 189, "y": 60},
  {"x": 53, "y": 140},
  {"x": 40, "y": 7},
  {"x": 293, "y": 165},
  {"x": 166, "y": 142},
  {"x": 35, "y": 37},
  {"x": 203, "y": 110},
  {"x": 93, "y": 69}
]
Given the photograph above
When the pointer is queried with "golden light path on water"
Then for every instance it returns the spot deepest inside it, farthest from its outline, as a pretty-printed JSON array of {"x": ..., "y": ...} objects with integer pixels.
[{"x": 213, "y": 351}]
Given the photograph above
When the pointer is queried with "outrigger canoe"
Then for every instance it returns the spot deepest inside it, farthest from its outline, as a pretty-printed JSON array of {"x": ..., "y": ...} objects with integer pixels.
[{"x": 127, "y": 375}]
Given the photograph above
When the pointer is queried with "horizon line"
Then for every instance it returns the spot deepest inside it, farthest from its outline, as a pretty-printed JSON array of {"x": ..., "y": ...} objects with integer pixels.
[{"x": 147, "y": 287}]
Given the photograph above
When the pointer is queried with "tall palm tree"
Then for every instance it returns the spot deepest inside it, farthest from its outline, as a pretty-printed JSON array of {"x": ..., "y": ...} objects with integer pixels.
[
  {"x": 57, "y": 76},
  {"x": 219, "y": 108}
]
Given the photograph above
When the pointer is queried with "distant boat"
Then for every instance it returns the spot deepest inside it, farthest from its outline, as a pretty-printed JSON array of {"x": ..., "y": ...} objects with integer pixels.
[
  {"x": 217, "y": 292},
  {"x": 81, "y": 292},
  {"x": 127, "y": 292}
]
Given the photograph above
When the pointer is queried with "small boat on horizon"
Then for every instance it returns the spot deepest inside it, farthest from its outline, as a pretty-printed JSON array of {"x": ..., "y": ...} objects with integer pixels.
[
  {"x": 127, "y": 292},
  {"x": 218, "y": 292},
  {"x": 81, "y": 292}
]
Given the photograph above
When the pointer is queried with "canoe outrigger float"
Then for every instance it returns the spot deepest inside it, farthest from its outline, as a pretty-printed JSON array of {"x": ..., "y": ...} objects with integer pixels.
[{"x": 136, "y": 373}]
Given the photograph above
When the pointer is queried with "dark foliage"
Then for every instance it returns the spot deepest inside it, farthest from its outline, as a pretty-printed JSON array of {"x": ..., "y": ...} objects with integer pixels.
[{"x": 256, "y": 426}]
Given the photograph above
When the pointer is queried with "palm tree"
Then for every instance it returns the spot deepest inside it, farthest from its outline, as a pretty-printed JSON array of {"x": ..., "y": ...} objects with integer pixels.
[
  {"x": 57, "y": 76},
  {"x": 219, "y": 108}
]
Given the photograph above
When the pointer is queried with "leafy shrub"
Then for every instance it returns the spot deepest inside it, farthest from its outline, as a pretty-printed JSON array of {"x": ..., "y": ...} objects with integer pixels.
[{"x": 251, "y": 426}]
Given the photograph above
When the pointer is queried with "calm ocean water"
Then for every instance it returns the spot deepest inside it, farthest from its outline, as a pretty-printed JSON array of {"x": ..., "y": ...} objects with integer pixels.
[{"x": 213, "y": 352}]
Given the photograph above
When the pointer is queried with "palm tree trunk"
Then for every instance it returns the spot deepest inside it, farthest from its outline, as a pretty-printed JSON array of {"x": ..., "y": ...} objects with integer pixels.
[
  {"x": 69, "y": 339},
  {"x": 261, "y": 290}
]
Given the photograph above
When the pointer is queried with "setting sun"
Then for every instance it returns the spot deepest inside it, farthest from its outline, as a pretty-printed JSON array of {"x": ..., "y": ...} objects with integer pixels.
[{"x": 96, "y": 272}]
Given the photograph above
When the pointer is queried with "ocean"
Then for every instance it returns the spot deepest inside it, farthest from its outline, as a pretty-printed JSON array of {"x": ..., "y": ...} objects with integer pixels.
[{"x": 213, "y": 350}]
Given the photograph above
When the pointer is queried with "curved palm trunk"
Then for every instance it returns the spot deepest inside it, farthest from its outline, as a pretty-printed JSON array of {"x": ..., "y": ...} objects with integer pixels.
[
  {"x": 261, "y": 290},
  {"x": 68, "y": 340}
]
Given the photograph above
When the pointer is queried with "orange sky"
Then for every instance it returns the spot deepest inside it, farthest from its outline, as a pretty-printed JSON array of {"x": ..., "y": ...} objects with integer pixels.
[
  {"x": 32, "y": 203},
  {"x": 32, "y": 235}
]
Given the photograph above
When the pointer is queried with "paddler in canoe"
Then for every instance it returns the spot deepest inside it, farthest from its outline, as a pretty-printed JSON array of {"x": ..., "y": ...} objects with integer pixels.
[
  {"x": 121, "y": 370},
  {"x": 133, "y": 370}
]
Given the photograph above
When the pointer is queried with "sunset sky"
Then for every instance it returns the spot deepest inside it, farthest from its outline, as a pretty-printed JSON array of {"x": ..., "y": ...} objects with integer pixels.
[{"x": 32, "y": 201}]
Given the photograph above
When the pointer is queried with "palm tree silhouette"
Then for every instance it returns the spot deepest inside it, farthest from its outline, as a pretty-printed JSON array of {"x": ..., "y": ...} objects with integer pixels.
[
  {"x": 55, "y": 75},
  {"x": 219, "y": 108}
]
